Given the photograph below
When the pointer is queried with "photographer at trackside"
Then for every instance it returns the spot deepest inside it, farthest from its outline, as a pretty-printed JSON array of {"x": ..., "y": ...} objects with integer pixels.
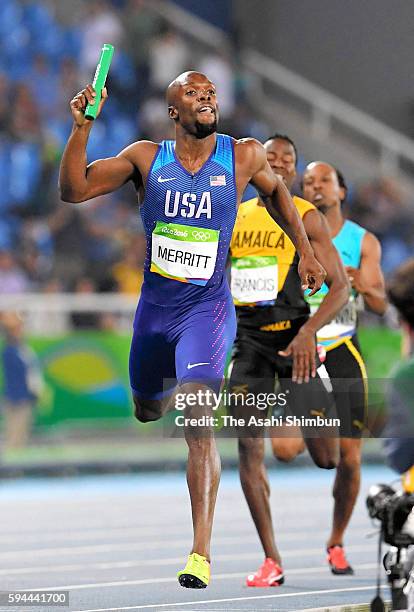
[
  {"x": 399, "y": 430},
  {"x": 393, "y": 508}
]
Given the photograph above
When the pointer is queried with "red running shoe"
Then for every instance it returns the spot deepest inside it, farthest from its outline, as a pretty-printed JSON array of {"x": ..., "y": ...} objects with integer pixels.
[
  {"x": 337, "y": 560},
  {"x": 268, "y": 575}
]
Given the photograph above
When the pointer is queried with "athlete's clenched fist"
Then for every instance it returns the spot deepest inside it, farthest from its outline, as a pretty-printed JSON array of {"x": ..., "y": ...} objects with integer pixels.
[{"x": 79, "y": 103}]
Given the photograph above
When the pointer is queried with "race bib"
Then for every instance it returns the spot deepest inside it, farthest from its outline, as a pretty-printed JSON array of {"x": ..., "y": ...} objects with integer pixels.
[
  {"x": 342, "y": 326},
  {"x": 184, "y": 253},
  {"x": 254, "y": 280}
]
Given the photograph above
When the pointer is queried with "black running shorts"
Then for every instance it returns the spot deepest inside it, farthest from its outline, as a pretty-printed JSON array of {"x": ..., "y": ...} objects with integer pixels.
[
  {"x": 347, "y": 373},
  {"x": 257, "y": 368}
]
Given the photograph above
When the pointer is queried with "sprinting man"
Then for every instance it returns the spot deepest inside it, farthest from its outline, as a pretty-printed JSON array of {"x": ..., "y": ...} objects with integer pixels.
[
  {"x": 276, "y": 336},
  {"x": 360, "y": 252},
  {"x": 185, "y": 321}
]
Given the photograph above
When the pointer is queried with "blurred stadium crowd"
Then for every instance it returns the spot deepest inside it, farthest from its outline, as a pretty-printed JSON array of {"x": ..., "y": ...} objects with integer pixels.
[{"x": 48, "y": 52}]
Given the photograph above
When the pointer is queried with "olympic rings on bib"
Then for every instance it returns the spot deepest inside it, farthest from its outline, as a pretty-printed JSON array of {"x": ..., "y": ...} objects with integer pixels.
[{"x": 203, "y": 236}]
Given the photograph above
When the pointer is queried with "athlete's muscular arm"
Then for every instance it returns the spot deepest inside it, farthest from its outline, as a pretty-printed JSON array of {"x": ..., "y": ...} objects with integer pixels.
[
  {"x": 79, "y": 181},
  {"x": 317, "y": 230},
  {"x": 368, "y": 279},
  {"x": 280, "y": 206},
  {"x": 303, "y": 346}
]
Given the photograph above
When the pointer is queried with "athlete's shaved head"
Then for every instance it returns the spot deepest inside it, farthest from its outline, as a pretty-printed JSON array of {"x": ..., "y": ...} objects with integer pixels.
[
  {"x": 184, "y": 78},
  {"x": 191, "y": 99},
  {"x": 323, "y": 185},
  {"x": 323, "y": 164}
]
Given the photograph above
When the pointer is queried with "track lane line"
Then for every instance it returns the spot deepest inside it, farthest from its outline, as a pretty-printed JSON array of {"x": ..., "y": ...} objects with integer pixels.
[
  {"x": 289, "y": 554},
  {"x": 228, "y": 599},
  {"x": 294, "y": 536},
  {"x": 143, "y": 581}
]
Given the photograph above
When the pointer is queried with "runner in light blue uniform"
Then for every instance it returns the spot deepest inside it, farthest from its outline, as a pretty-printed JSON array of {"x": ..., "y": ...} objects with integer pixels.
[
  {"x": 348, "y": 243},
  {"x": 360, "y": 252},
  {"x": 190, "y": 323}
]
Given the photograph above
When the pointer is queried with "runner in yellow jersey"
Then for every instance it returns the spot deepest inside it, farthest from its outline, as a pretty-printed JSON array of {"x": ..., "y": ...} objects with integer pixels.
[{"x": 276, "y": 336}]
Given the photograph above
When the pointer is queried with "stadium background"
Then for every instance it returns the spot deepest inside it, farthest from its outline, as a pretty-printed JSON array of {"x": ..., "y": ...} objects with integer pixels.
[{"x": 272, "y": 74}]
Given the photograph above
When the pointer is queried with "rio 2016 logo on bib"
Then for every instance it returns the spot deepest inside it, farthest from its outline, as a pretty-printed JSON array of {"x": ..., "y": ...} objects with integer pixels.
[{"x": 186, "y": 205}]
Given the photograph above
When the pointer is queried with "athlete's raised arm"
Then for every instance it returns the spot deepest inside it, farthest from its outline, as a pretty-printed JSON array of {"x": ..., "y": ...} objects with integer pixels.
[
  {"x": 368, "y": 279},
  {"x": 79, "y": 181},
  {"x": 251, "y": 156}
]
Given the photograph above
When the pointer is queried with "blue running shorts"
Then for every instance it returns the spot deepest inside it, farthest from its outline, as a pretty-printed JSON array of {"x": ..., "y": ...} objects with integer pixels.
[{"x": 182, "y": 344}]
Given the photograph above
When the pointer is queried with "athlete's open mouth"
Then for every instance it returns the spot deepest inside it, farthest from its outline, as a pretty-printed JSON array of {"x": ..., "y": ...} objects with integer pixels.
[
  {"x": 206, "y": 109},
  {"x": 318, "y": 197}
]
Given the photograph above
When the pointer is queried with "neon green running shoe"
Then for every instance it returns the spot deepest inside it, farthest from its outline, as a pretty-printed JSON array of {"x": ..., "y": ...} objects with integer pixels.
[{"x": 196, "y": 574}]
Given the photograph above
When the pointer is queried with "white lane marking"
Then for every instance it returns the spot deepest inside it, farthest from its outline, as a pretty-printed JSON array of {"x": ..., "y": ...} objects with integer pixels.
[
  {"x": 80, "y": 535},
  {"x": 89, "y": 532},
  {"x": 291, "y": 554},
  {"x": 123, "y": 532},
  {"x": 150, "y": 545},
  {"x": 141, "y": 581},
  {"x": 103, "y": 548},
  {"x": 209, "y": 601}
]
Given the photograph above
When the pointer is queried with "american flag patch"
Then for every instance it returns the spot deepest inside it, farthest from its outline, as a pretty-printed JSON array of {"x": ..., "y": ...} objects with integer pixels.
[{"x": 218, "y": 181}]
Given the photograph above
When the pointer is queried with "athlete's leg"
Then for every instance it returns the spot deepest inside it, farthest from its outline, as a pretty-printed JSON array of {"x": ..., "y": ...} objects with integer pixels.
[
  {"x": 203, "y": 471},
  {"x": 348, "y": 376},
  {"x": 251, "y": 372},
  {"x": 256, "y": 489},
  {"x": 324, "y": 451},
  {"x": 346, "y": 488},
  {"x": 205, "y": 335},
  {"x": 287, "y": 442},
  {"x": 148, "y": 410},
  {"x": 151, "y": 363},
  {"x": 308, "y": 400}
]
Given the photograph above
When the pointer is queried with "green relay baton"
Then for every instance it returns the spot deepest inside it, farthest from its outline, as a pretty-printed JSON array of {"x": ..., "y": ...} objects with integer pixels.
[{"x": 99, "y": 79}]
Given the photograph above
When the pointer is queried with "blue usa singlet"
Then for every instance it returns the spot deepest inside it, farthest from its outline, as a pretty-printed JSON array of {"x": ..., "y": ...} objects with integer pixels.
[
  {"x": 188, "y": 220},
  {"x": 185, "y": 322},
  {"x": 348, "y": 243}
]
